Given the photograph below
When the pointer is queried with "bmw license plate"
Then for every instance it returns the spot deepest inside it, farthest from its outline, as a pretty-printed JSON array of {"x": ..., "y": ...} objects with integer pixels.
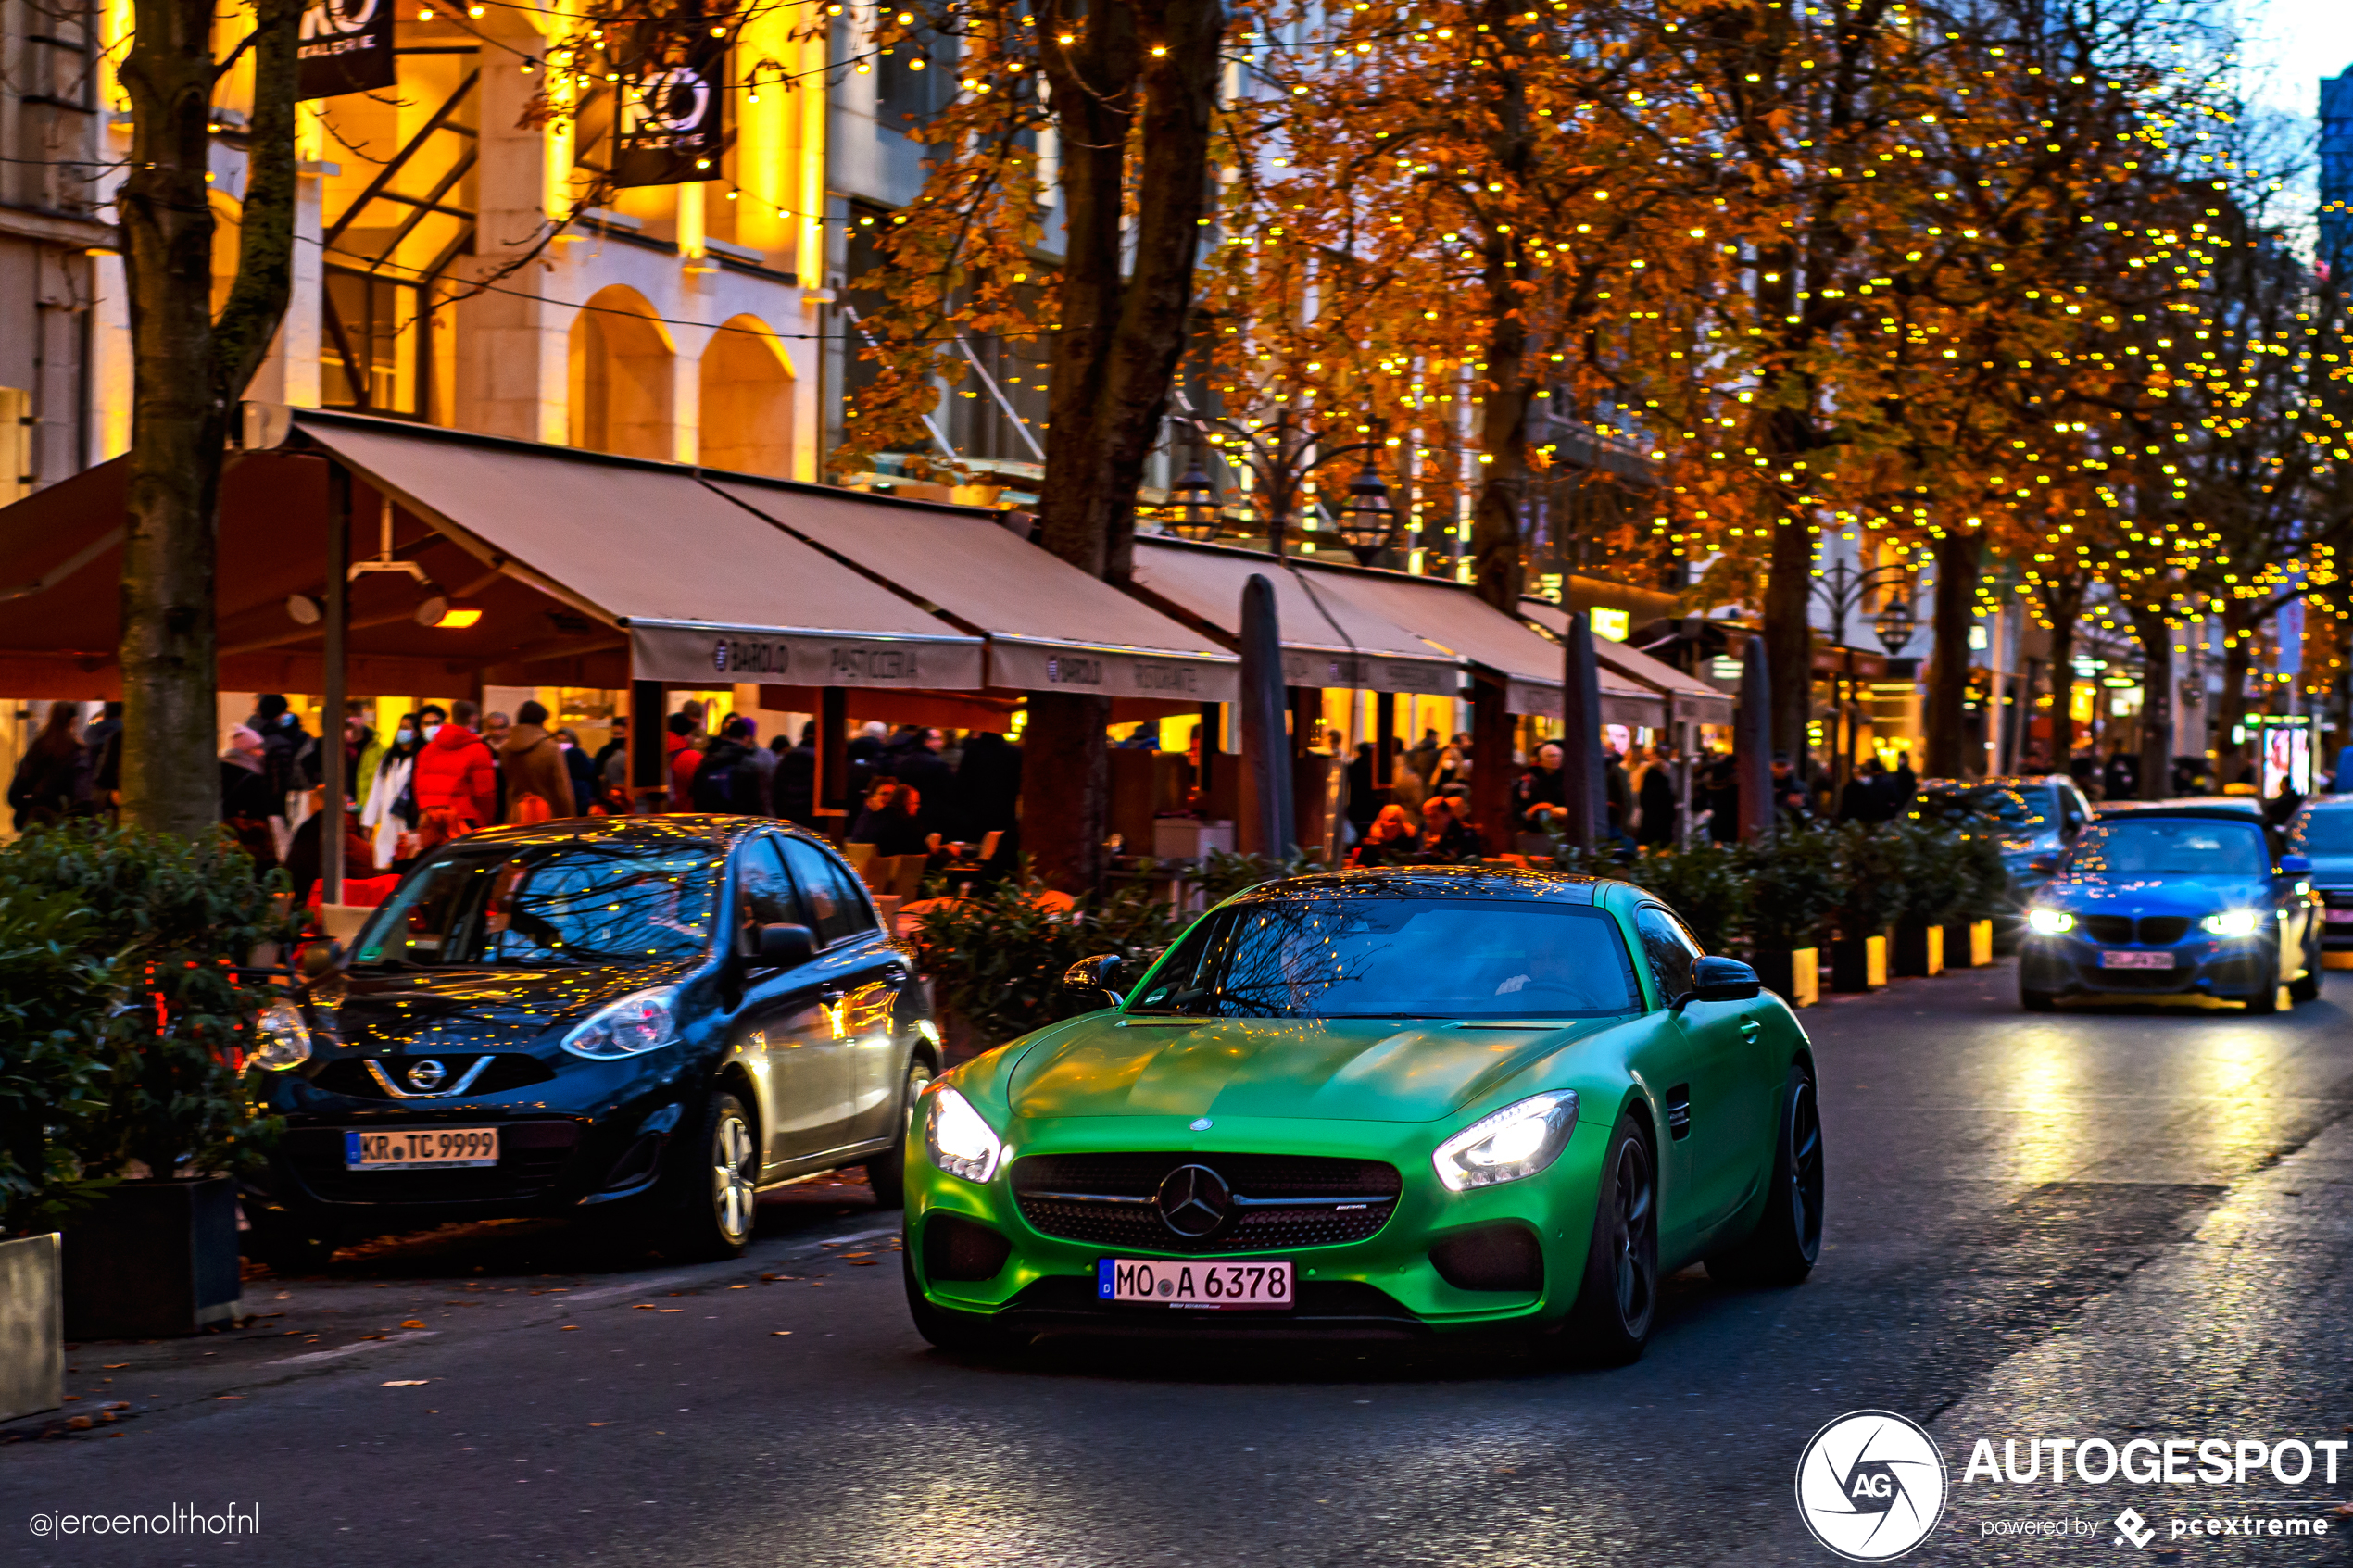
[
  {"x": 1260, "y": 1287},
  {"x": 421, "y": 1148},
  {"x": 2136, "y": 961}
]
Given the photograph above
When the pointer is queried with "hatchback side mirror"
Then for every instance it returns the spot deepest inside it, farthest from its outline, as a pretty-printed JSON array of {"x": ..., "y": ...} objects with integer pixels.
[
  {"x": 1091, "y": 978},
  {"x": 2294, "y": 865},
  {"x": 783, "y": 947},
  {"x": 1721, "y": 980},
  {"x": 320, "y": 960}
]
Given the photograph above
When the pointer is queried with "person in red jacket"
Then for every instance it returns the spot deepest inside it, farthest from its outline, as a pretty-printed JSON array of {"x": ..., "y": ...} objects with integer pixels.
[
  {"x": 456, "y": 773},
  {"x": 685, "y": 757}
]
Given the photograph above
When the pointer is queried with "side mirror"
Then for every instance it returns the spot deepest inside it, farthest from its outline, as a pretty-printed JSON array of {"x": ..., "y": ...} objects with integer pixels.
[
  {"x": 2044, "y": 865},
  {"x": 1721, "y": 980},
  {"x": 1091, "y": 979},
  {"x": 783, "y": 947},
  {"x": 318, "y": 960},
  {"x": 2296, "y": 865}
]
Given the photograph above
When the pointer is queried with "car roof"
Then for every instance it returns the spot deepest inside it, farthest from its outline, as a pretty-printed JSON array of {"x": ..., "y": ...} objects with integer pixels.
[
  {"x": 2005, "y": 781},
  {"x": 2224, "y": 810},
  {"x": 1458, "y": 882},
  {"x": 662, "y": 828},
  {"x": 2325, "y": 803}
]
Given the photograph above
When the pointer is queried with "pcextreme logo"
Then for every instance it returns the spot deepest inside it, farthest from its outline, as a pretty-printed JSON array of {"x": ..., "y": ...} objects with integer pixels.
[{"x": 1871, "y": 1485}]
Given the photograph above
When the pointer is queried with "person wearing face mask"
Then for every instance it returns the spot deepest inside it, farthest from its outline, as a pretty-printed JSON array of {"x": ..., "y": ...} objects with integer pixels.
[
  {"x": 430, "y": 717},
  {"x": 390, "y": 807}
]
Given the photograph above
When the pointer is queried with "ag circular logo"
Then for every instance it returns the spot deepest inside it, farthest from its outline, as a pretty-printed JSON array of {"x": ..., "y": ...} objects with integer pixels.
[{"x": 1871, "y": 1485}]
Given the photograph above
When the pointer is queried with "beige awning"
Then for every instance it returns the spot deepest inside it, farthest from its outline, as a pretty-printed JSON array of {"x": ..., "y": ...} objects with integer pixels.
[
  {"x": 1448, "y": 615},
  {"x": 1050, "y": 626},
  {"x": 1329, "y": 638},
  {"x": 1694, "y": 700},
  {"x": 707, "y": 590}
]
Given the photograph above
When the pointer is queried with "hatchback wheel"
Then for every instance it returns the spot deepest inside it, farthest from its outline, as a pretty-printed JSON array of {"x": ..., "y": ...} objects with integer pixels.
[
  {"x": 718, "y": 1183},
  {"x": 887, "y": 1173}
]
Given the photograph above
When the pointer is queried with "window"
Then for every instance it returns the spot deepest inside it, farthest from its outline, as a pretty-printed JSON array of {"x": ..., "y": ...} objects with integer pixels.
[
  {"x": 2182, "y": 846},
  {"x": 2326, "y": 832},
  {"x": 765, "y": 890},
  {"x": 551, "y": 907},
  {"x": 835, "y": 902},
  {"x": 1669, "y": 949},
  {"x": 1370, "y": 956}
]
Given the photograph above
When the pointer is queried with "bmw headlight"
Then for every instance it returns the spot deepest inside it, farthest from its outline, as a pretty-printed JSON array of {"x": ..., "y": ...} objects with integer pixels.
[
  {"x": 643, "y": 1020},
  {"x": 1516, "y": 1141},
  {"x": 2049, "y": 922},
  {"x": 2235, "y": 923},
  {"x": 956, "y": 1137},
  {"x": 284, "y": 1038}
]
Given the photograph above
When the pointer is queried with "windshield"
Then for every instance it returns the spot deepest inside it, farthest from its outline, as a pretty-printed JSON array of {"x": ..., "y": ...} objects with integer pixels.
[
  {"x": 2327, "y": 832},
  {"x": 2030, "y": 807},
  {"x": 2188, "y": 846},
  {"x": 548, "y": 906},
  {"x": 1403, "y": 957}
]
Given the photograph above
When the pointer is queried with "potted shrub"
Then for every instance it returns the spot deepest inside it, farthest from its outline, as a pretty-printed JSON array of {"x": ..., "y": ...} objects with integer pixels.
[
  {"x": 1793, "y": 879},
  {"x": 1875, "y": 864},
  {"x": 1704, "y": 884},
  {"x": 1980, "y": 886},
  {"x": 157, "y": 1254},
  {"x": 53, "y": 999},
  {"x": 1930, "y": 892}
]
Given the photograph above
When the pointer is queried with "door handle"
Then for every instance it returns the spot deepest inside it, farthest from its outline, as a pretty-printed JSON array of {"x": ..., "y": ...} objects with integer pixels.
[
  {"x": 1750, "y": 1028},
  {"x": 831, "y": 995}
]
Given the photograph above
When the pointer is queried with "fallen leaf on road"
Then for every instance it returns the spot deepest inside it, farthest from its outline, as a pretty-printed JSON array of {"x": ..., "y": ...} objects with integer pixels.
[
  {"x": 79, "y": 1423},
  {"x": 227, "y": 1396},
  {"x": 406, "y": 1382},
  {"x": 778, "y": 1333},
  {"x": 118, "y": 1405},
  {"x": 413, "y": 1323},
  {"x": 670, "y": 1309},
  {"x": 643, "y": 1307},
  {"x": 739, "y": 1287},
  {"x": 569, "y": 1328},
  {"x": 861, "y": 1263},
  {"x": 114, "y": 1366},
  {"x": 600, "y": 1423}
]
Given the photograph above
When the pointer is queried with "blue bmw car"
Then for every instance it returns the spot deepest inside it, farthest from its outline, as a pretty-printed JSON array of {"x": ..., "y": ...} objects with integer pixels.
[{"x": 2180, "y": 900}]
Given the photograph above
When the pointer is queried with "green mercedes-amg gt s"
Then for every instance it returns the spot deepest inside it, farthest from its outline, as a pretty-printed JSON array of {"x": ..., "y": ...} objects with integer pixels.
[{"x": 1425, "y": 1099}]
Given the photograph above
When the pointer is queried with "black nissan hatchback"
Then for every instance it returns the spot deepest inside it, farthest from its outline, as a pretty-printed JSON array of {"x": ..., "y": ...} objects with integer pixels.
[{"x": 652, "y": 1018}]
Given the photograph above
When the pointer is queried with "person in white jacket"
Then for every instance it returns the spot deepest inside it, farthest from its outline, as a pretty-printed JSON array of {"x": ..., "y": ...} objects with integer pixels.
[{"x": 391, "y": 808}]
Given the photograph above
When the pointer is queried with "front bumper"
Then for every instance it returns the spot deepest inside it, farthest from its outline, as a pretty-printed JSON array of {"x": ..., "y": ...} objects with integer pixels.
[
  {"x": 2337, "y": 920},
  {"x": 1385, "y": 1285},
  {"x": 2233, "y": 968}
]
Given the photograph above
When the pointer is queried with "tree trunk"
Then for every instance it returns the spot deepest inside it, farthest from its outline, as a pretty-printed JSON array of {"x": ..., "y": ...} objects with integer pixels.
[
  {"x": 2156, "y": 638},
  {"x": 1789, "y": 634},
  {"x": 188, "y": 373},
  {"x": 1956, "y": 568},
  {"x": 2238, "y": 664},
  {"x": 1496, "y": 569},
  {"x": 1115, "y": 351},
  {"x": 2064, "y": 605}
]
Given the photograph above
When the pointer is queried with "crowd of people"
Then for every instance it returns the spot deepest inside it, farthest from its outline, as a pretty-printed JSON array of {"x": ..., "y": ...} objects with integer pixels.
[{"x": 1423, "y": 816}]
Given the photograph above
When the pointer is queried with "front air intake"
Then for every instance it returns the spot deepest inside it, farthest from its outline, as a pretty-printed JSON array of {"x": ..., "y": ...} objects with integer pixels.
[
  {"x": 960, "y": 1249},
  {"x": 1490, "y": 1258}
]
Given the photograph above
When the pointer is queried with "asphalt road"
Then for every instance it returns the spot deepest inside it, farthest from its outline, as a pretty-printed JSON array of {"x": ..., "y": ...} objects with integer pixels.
[{"x": 2112, "y": 1225}]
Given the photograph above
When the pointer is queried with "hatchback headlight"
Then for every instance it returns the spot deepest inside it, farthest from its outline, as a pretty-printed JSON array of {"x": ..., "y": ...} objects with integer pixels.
[
  {"x": 956, "y": 1137},
  {"x": 643, "y": 1020},
  {"x": 1516, "y": 1141},
  {"x": 2049, "y": 922},
  {"x": 284, "y": 1038},
  {"x": 2235, "y": 923}
]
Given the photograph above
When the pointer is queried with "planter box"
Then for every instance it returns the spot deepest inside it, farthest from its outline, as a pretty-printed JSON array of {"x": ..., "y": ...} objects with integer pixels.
[
  {"x": 1971, "y": 945},
  {"x": 153, "y": 1258},
  {"x": 1918, "y": 949},
  {"x": 1858, "y": 964},
  {"x": 1794, "y": 976},
  {"x": 33, "y": 1327}
]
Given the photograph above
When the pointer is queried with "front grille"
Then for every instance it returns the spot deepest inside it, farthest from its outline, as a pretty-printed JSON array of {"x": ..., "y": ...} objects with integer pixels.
[
  {"x": 2114, "y": 930},
  {"x": 2163, "y": 931},
  {"x": 507, "y": 1070},
  {"x": 1287, "y": 1201},
  {"x": 531, "y": 1156}
]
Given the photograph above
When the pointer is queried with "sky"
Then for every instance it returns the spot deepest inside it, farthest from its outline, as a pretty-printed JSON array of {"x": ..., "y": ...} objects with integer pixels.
[{"x": 2292, "y": 45}]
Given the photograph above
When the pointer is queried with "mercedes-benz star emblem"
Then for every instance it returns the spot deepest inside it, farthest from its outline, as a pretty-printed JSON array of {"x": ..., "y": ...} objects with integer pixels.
[
  {"x": 426, "y": 1075},
  {"x": 1200, "y": 1124},
  {"x": 1194, "y": 1200}
]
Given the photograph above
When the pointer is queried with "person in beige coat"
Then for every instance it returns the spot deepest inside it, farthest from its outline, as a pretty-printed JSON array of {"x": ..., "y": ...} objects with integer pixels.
[{"x": 533, "y": 764}]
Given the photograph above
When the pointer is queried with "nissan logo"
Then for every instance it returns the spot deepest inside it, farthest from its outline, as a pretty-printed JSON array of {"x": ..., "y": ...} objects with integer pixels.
[
  {"x": 426, "y": 1076},
  {"x": 1194, "y": 1200}
]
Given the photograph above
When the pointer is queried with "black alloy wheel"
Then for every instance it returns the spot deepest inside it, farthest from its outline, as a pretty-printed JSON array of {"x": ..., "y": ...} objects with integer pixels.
[
  {"x": 1618, "y": 1301},
  {"x": 1787, "y": 1241},
  {"x": 887, "y": 1173}
]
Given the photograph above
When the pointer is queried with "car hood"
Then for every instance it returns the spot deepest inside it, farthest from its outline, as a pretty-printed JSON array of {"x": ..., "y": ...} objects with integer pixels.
[
  {"x": 477, "y": 1008},
  {"x": 1358, "y": 1069},
  {"x": 2155, "y": 895}
]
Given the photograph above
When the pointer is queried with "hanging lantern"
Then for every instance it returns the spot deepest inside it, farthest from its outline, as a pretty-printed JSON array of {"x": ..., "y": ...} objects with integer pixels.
[
  {"x": 1367, "y": 522},
  {"x": 1193, "y": 510},
  {"x": 1896, "y": 624}
]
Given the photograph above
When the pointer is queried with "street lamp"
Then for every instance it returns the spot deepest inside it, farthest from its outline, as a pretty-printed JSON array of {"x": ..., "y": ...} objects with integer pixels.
[
  {"x": 1896, "y": 624},
  {"x": 1279, "y": 456},
  {"x": 1841, "y": 590},
  {"x": 1367, "y": 522},
  {"x": 1192, "y": 506}
]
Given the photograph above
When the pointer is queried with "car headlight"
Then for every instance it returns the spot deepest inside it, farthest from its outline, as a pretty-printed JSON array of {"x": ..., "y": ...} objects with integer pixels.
[
  {"x": 2235, "y": 923},
  {"x": 1516, "y": 1141},
  {"x": 284, "y": 1037},
  {"x": 2049, "y": 922},
  {"x": 643, "y": 1020},
  {"x": 956, "y": 1137}
]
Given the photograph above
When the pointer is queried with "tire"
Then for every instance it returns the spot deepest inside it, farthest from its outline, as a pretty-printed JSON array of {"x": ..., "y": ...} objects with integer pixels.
[
  {"x": 711, "y": 1215},
  {"x": 2266, "y": 1002},
  {"x": 1787, "y": 1241},
  {"x": 887, "y": 1174},
  {"x": 2308, "y": 989},
  {"x": 2036, "y": 1001},
  {"x": 964, "y": 1333},
  {"x": 1617, "y": 1299}
]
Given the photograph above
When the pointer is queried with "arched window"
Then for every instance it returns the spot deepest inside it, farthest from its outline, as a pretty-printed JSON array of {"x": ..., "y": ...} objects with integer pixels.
[
  {"x": 747, "y": 400},
  {"x": 621, "y": 377}
]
